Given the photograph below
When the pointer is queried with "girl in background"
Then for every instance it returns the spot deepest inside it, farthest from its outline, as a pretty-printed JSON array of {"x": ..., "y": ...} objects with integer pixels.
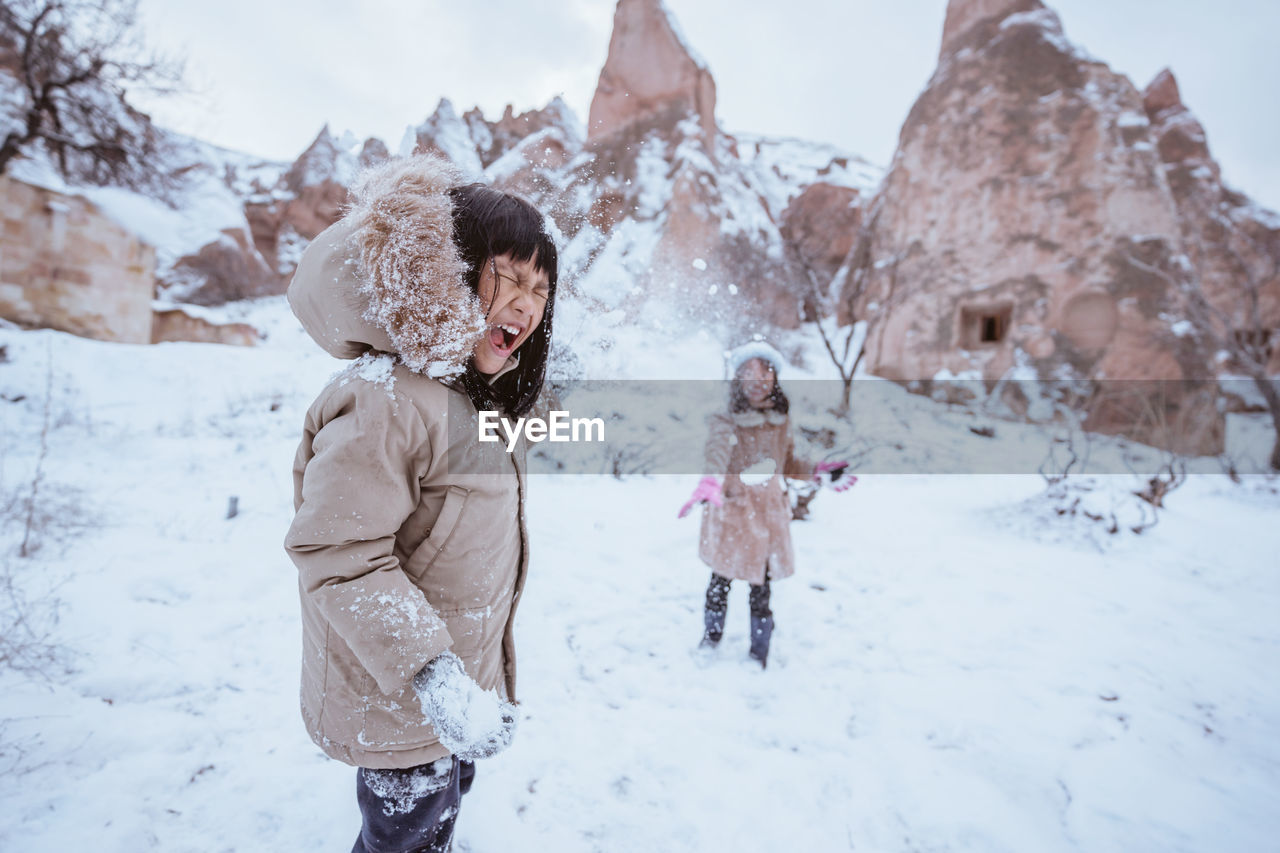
[{"x": 745, "y": 533}]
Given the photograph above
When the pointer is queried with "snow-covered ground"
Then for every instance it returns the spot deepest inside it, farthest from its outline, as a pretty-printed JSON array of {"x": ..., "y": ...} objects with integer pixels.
[{"x": 955, "y": 667}]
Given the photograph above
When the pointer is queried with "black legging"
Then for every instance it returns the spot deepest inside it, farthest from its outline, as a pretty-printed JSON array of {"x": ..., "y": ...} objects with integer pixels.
[{"x": 718, "y": 596}]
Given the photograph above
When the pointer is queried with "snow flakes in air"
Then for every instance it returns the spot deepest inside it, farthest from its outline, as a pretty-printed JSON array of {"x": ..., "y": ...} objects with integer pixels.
[
  {"x": 699, "y": 264},
  {"x": 653, "y": 179}
]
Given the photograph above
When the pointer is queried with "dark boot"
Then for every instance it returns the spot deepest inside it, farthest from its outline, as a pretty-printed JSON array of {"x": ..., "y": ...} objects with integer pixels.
[
  {"x": 713, "y": 621},
  {"x": 717, "y": 605},
  {"x": 761, "y": 631},
  {"x": 761, "y": 620},
  {"x": 410, "y": 809}
]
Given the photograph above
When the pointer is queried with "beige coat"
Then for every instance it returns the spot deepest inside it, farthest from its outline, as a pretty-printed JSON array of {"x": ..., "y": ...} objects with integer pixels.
[
  {"x": 409, "y": 534},
  {"x": 752, "y": 529}
]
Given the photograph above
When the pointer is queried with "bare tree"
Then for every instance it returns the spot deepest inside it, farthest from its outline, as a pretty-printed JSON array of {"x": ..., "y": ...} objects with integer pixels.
[
  {"x": 1236, "y": 327},
  {"x": 820, "y": 302},
  {"x": 74, "y": 61},
  {"x": 1231, "y": 320}
]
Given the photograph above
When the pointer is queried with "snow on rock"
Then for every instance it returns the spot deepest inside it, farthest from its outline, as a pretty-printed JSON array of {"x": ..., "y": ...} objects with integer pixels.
[
  {"x": 448, "y": 134},
  {"x": 650, "y": 71},
  {"x": 326, "y": 160},
  {"x": 780, "y": 168},
  {"x": 207, "y": 208},
  {"x": 13, "y": 104}
]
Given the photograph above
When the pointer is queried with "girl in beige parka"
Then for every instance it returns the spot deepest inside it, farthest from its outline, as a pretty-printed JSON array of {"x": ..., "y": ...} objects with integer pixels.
[
  {"x": 409, "y": 534},
  {"x": 746, "y": 519}
]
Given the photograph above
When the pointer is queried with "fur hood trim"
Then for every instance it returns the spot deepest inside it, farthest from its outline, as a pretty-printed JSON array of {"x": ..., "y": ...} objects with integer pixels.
[
  {"x": 388, "y": 277},
  {"x": 758, "y": 417}
]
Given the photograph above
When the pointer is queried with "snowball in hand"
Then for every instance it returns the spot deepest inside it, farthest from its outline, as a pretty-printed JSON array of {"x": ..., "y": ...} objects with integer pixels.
[
  {"x": 471, "y": 722},
  {"x": 759, "y": 473}
]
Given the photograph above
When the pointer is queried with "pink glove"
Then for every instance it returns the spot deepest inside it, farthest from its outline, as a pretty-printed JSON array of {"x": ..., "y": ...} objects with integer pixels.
[
  {"x": 834, "y": 474},
  {"x": 708, "y": 490}
]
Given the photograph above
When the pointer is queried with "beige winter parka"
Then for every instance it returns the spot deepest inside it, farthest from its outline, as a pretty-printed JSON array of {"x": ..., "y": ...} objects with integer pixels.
[
  {"x": 409, "y": 534},
  {"x": 752, "y": 451}
]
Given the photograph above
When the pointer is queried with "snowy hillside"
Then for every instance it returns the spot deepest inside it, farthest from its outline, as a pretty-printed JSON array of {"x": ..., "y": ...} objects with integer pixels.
[
  {"x": 207, "y": 203},
  {"x": 956, "y": 666}
]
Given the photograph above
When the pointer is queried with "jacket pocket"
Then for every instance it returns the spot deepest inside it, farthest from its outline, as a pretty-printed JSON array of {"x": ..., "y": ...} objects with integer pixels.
[
  {"x": 477, "y": 641},
  {"x": 426, "y": 553},
  {"x": 397, "y": 722},
  {"x": 391, "y": 722}
]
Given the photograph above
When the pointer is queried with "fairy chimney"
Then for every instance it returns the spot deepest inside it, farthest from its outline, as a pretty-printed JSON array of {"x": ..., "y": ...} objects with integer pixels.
[
  {"x": 1038, "y": 220},
  {"x": 1233, "y": 244},
  {"x": 651, "y": 73},
  {"x": 964, "y": 15},
  {"x": 1026, "y": 226}
]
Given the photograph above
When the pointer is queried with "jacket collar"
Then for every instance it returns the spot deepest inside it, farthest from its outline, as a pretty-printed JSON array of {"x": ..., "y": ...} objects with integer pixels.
[
  {"x": 758, "y": 417},
  {"x": 512, "y": 362}
]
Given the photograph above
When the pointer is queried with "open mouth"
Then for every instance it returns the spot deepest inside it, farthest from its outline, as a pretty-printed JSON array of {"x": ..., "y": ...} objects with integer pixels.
[{"x": 503, "y": 337}]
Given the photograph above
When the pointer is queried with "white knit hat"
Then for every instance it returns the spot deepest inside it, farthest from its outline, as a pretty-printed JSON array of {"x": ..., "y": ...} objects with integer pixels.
[{"x": 756, "y": 348}]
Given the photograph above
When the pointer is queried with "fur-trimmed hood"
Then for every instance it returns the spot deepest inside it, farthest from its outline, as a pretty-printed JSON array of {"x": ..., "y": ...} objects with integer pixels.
[{"x": 388, "y": 277}]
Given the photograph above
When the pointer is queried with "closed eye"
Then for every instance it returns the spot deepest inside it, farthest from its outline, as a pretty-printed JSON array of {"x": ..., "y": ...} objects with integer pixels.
[{"x": 541, "y": 291}]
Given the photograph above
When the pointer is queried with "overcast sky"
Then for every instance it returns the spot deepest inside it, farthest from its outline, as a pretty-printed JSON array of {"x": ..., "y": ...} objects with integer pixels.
[{"x": 267, "y": 75}]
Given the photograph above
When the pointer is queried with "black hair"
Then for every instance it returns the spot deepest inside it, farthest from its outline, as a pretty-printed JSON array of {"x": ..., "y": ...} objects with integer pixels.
[
  {"x": 738, "y": 401},
  {"x": 488, "y": 223}
]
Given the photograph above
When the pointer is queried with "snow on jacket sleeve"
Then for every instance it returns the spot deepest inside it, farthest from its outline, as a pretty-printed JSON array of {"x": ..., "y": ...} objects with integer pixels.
[{"x": 358, "y": 487}]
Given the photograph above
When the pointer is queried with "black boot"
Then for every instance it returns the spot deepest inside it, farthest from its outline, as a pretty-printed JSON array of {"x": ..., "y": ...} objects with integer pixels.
[
  {"x": 713, "y": 621},
  {"x": 761, "y": 620},
  {"x": 761, "y": 631},
  {"x": 717, "y": 605}
]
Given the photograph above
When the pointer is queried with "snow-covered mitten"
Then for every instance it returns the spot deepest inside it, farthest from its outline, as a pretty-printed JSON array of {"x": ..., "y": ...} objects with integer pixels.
[
  {"x": 471, "y": 722},
  {"x": 708, "y": 489},
  {"x": 834, "y": 474}
]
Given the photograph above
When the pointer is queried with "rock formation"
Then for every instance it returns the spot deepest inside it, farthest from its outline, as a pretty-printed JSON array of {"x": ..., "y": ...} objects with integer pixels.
[
  {"x": 1232, "y": 244},
  {"x": 177, "y": 324},
  {"x": 663, "y": 212},
  {"x": 651, "y": 72},
  {"x": 224, "y": 270},
  {"x": 66, "y": 266},
  {"x": 821, "y": 224},
  {"x": 280, "y": 220},
  {"x": 1030, "y": 223},
  {"x": 655, "y": 207},
  {"x": 474, "y": 143},
  {"x": 1023, "y": 206}
]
